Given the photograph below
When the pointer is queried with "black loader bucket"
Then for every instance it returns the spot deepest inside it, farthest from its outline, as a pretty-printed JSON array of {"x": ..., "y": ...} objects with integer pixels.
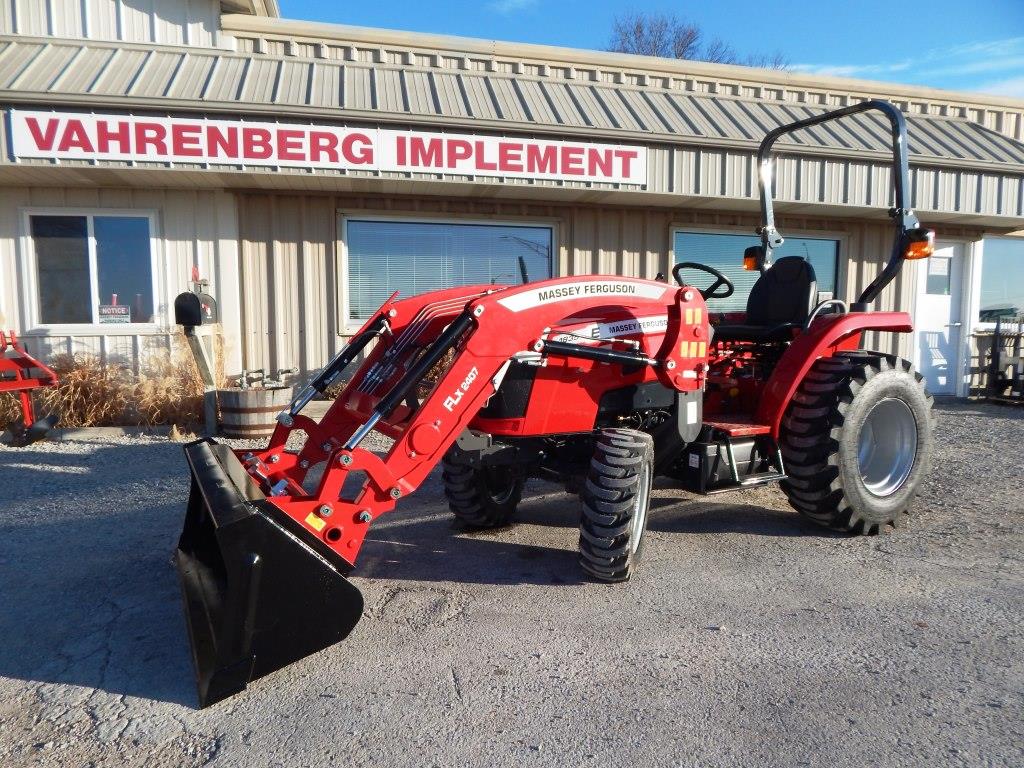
[{"x": 258, "y": 596}]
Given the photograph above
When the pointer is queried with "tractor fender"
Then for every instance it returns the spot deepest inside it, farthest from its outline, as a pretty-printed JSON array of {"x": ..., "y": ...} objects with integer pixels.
[{"x": 828, "y": 335}]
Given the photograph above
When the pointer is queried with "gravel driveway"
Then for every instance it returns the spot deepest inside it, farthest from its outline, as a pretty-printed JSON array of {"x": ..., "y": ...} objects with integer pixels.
[{"x": 749, "y": 638}]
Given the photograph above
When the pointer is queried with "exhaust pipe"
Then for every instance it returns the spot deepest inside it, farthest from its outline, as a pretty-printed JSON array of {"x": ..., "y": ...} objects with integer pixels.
[{"x": 258, "y": 594}]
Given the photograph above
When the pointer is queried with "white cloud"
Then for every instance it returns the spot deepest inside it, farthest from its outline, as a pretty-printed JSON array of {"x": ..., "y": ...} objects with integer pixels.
[
  {"x": 1013, "y": 87},
  {"x": 511, "y": 6},
  {"x": 954, "y": 66},
  {"x": 852, "y": 70}
]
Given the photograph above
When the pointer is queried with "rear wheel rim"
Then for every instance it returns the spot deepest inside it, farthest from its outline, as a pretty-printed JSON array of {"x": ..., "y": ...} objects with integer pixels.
[
  {"x": 640, "y": 505},
  {"x": 887, "y": 446}
]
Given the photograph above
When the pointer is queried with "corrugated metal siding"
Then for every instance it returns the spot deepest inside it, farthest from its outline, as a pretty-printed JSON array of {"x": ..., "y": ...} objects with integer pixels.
[
  {"x": 167, "y": 22},
  {"x": 292, "y": 276},
  {"x": 195, "y": 228}
]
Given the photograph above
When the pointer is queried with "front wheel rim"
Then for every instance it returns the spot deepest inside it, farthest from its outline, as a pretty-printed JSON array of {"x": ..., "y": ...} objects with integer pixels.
[
  {"x": 640, "y": 507},
  {"x": 500, "y": 484},
  {"x": 887, "y": 446}
]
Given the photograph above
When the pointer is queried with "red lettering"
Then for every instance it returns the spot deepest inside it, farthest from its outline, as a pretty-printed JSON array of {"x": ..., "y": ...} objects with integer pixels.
[
  {"x": 510, "y": 158},
  {"x": 221, "y": 140},
  {"x": 44, "y": 139},
  {"x": 541, "y": 159},
  {"x": 150, "y": 134},
  {"x": 289, "y": 145},
  {"x": 572, "y": 161},
  {"x": 256, "y": 144},
  {"x": 458, "y": 149},
  {"x": 185, "y": 140},
  {"x": 362, "y": 155},
  {"x": 323, "y": 143},
  {"x": 400, "y": 150},
  {"x": 121, "y": 135},
  {"x": 600, "y": 162},
  {"x": 426, "y": 153},
  {"x": 627, "y": 156},
  {"x": 481, "y": 162},
  {"x": 75, "y": 137}
]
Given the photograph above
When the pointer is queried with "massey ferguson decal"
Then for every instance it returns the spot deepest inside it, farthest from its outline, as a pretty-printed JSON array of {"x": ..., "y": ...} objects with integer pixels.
[
  {"x": 180, "y": 139},
  {"x": 610, "y": 288}
]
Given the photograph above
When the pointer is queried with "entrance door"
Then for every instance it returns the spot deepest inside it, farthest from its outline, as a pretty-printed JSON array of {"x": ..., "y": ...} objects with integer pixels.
[{"x": 938, "y": 324}]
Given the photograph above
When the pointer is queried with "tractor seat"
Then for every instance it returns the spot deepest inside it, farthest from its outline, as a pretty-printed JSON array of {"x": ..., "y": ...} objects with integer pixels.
[{"x": 782, "y": 299}]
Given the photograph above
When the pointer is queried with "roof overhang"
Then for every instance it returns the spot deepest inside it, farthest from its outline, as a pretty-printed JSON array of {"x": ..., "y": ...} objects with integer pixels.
[
  {"x": 555, "y": 55},
  {"x": 264, "y": 8}
]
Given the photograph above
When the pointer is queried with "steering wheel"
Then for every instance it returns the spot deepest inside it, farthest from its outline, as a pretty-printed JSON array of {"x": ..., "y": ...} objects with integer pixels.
[{"x": 711, "y": 292}]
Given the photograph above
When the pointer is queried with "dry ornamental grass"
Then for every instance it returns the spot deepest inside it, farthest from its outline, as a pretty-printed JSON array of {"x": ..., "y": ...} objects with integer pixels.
[{"x": 168, "y": 390}]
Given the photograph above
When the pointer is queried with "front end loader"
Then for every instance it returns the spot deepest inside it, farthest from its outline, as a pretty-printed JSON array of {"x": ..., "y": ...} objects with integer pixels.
[{"x": 600, "y": 383}]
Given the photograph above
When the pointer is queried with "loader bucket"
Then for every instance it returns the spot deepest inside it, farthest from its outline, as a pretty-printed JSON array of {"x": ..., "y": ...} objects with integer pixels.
[{"x": 257, "y": 594}]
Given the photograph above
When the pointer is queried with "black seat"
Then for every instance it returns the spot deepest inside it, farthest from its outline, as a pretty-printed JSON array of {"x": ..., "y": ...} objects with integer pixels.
[{"x": 781, "y": 299}]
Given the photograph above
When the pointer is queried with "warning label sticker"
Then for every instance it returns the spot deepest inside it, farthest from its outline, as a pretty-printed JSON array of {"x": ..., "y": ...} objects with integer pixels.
[{"x": 641, "y": 326}]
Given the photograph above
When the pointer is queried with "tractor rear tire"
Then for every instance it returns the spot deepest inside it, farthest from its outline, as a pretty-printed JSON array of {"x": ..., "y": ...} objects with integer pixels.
[
  {"x": 482, "y": 497},
  {"x": 857, "y": 441},
  {"x": 616, "y": 498}
]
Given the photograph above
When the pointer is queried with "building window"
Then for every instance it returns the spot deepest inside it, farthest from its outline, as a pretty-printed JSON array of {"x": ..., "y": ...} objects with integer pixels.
[
  {"x": 415, "y": 257},
  {"x": 725, "y": 253},
  {"x": 92, "y": 269},
  {"x": 1002, "y": 279}
]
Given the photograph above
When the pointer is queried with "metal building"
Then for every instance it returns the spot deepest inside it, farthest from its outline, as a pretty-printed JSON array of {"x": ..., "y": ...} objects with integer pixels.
[{"x": 306, "y": 169}]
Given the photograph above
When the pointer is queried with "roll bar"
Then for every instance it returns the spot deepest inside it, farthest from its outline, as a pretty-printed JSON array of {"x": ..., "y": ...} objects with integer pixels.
[{"x": 908, "y": 228}]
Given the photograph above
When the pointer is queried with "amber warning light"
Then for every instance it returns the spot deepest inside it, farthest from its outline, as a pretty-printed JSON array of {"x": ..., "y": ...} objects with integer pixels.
[
  {"x": 753, "y": 257},
  {"x": 920, "y": 244}
]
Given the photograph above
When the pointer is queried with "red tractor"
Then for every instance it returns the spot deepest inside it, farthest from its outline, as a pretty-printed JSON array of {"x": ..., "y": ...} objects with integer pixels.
[{"x": 601, "y": 383}]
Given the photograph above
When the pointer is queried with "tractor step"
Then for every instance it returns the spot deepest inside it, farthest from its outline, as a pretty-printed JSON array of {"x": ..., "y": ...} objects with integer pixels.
[{"x": 738, "y": 426}]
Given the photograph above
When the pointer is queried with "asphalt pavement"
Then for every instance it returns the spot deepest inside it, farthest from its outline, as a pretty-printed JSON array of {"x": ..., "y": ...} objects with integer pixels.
[{"x": 748, "y": 638}]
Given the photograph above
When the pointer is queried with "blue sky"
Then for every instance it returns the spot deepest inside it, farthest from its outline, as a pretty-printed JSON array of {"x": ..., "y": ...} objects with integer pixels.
[{"x": 973, "y": 45}]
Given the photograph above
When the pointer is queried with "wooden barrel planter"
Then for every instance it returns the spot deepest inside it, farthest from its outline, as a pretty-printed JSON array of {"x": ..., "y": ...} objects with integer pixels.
[{"x": 248, "y": 413}]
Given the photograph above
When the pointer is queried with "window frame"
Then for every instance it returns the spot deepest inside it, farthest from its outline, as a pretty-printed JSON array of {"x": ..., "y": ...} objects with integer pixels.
[
  {"x": 30, "y": 277},
  {"x": 348, "y": 325},
  {"x": 975, "y": 252},
  {"x": 841, "y": 238}
]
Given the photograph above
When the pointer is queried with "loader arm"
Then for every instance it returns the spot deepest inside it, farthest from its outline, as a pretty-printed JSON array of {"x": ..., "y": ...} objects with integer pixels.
[{"x": 479, "y": 332}]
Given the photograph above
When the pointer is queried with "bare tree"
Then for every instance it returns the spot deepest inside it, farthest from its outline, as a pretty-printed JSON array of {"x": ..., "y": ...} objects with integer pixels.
[
  {"x": 655, "y": 34},
  {"x": 670, "y": 37}
]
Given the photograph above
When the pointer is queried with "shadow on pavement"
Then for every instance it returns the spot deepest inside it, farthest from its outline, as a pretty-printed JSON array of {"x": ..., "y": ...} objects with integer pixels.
[{"x": 89, "y": 594}]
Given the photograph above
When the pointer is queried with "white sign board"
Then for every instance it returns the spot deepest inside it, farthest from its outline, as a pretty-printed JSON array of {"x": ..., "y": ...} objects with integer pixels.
[
  {"x": 115, "y": 314},
  {"x": 194, "y": 140}
]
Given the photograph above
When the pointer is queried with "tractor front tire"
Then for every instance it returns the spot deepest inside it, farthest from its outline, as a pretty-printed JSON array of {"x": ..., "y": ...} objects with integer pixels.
[
  {"x": 857, "y": 441},
  {"x": 616, "y": 498},
  {"x": 481, "y": 497}
]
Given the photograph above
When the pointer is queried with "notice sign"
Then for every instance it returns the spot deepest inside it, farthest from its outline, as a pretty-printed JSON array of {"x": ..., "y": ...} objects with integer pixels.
[
  {"x": 115, "y": 314},
  {"x": 180, "y": 139}
]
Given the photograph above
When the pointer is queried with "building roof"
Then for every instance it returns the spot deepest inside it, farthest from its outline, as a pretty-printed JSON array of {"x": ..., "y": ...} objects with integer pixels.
[
  {"x": 144, "y": 77},
  {"x": 265, "y": 8},
  {"x": 588, "y": 60}
]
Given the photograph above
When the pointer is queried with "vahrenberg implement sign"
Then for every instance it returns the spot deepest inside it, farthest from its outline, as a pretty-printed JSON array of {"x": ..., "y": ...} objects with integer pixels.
[{"x": 179, "y": 139}]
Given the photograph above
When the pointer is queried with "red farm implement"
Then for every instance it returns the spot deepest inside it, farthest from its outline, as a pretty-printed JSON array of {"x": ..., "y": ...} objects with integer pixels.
[
  {"x": 20, "y": 374},
  {"x": 599, "y": 383}
]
